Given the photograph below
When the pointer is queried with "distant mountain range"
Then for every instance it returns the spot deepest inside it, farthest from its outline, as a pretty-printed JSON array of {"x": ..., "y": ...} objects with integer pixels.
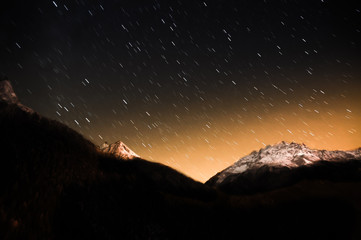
[
  {"x": 283, "y": 154},
  {"x": 55, "y": 184},
  {"x": 284, "y": 164}
]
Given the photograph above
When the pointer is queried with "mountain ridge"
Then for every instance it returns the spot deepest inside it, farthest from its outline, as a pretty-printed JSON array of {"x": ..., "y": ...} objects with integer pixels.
[{"x": 284, "y": 154}]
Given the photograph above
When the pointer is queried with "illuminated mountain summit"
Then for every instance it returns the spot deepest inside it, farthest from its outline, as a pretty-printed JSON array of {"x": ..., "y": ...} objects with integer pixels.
[{"x": 119, "y": 149}]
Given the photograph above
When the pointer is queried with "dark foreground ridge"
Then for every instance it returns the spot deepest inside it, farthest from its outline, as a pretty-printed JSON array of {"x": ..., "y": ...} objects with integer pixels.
[{"x": 54, "y": 184}]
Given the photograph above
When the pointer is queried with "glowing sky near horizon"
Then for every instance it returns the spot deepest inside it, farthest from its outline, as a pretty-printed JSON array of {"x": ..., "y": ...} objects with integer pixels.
[{"x": 192, "y": 84}]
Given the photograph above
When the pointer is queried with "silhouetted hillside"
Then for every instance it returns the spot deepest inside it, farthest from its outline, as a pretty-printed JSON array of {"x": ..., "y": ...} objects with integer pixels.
[
  {"x": 54, "y": 184},
  {"x": 43, "y": 160}
]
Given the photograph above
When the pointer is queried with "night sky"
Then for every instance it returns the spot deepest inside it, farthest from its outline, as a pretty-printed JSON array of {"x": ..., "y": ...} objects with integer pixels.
[{"x": 192, "y": 84}]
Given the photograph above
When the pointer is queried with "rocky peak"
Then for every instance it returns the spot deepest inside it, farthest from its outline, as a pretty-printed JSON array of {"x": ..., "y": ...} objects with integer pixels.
[
  {"x": 8, "y": 95},
  {"x": 119, "y": 149}
]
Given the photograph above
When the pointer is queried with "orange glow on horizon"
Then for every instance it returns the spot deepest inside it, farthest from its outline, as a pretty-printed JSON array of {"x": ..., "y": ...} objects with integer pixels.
[
  {"x": 200, "y": 138},
  {"x": 201, "y": 154}
]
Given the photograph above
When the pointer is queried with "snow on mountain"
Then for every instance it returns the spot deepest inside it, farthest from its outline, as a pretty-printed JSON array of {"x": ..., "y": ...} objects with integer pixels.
[
  {"x": 8, "y": 95},
  {"x": 119, "y": 149},
  {"x": 285, "y": 154}
]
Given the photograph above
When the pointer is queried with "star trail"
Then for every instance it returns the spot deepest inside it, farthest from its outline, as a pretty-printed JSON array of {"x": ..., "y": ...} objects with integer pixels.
[{"x": 191, "y": 84}]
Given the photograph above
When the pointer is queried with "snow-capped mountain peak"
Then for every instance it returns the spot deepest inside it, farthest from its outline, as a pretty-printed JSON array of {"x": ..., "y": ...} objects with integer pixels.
[
  {"x": 286, "y": 155},
  {"x": 119, "y": 149}
]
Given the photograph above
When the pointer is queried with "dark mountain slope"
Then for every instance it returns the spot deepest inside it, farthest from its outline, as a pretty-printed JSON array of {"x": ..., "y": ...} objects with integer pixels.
[
  {"x": 43, "y": 162},
  {"x": 38, "y": 158}
]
